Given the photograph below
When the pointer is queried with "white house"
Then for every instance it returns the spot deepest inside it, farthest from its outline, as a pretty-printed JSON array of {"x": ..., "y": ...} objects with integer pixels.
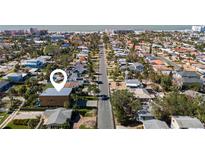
[
  {"x": 133, "y": 83},
  {"x": 185, "y": 122},
  {"x": 155, "y": 124}
]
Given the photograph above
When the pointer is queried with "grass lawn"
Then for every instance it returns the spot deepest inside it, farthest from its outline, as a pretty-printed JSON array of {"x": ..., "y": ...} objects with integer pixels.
[
  {"x": 90, "y": 113},
  {"x": 49, "y": 85},
  {"x": 3, "y": 116},
  {"x": 84, "y": 127},
  {"x": 23, "y": 124},
  {"x": 13, "y": 126},
  {"x": 84, "y": 112},
  {"x": 91, "y": 97},
  {"x": 88, "y": 97}
]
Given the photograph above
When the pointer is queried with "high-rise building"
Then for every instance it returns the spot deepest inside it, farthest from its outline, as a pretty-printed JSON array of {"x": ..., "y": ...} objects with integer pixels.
[
  {"x": 198, "y": 28},
  {"x": 34, "y": 30}
]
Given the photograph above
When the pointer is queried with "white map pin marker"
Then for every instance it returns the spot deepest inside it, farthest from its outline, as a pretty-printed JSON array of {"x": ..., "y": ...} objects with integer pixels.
[{"x": 58, "y": 86}]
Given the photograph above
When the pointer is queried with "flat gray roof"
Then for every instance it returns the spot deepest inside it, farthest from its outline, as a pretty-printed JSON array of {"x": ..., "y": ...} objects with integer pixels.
[
  {"x": 188, "y": 122},
  {"x": 54, "y": 92},
  {"x": 57, "y": 116},
  {"x": 155, "y": 124},
  {"x": 132, "y": 81}
]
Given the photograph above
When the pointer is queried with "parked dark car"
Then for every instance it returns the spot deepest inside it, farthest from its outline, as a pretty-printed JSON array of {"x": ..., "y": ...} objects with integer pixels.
[
  {"x": 104, "y": 97},
  {"x": 99, "y": 82}
]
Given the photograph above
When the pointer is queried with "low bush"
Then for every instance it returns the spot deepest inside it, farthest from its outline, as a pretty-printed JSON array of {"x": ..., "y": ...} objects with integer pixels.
[
  {"x": 34, "y": 108},
  {"x": 89, "y": 114},
  {"x": 20, "y": 121},
  {"x": 31, "y": 123},
  {"x": 82, "y": 111},
  {"x": 83, "y": 127}
]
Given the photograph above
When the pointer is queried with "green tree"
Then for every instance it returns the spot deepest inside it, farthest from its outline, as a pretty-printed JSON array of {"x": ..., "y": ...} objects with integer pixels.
[
  {"x": 22, "y": 90},
  {"x": 48, "y": 71},
  {"x": 174, "y": 103},
  {"x": 93, "y": 89},
  {"x": 31, "y": 100},
  {"x": 166, "y": 82},
  {"x": 125, "y": 106},
  {"x": 105, "y": 38},
  {"x": 132, "y": 57},
  {"x": 16, "y": 68},
  {"x": 116, "y": 73}
]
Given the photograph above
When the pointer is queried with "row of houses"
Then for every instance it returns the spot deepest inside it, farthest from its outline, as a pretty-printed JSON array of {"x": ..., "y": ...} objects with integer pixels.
[
  {"x": 51, "y": 98},
  {"x": 182, "y": 78},
  {"x": 185, "y": 79},
  {"x": 58, "y": 117},
  {"x": 37, "y": 62},
  {"x": 188, "y": 57},
  {"x": 177, "y": 122},
  {"x": 19, "y": 77}
]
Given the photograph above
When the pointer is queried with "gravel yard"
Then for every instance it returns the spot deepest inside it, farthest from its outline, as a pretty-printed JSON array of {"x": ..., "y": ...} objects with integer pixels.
[{"x": 28, "y": 115}]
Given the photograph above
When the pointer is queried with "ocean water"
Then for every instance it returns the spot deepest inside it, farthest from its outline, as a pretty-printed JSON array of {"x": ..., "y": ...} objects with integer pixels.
[{"x": 89, "y": 28}]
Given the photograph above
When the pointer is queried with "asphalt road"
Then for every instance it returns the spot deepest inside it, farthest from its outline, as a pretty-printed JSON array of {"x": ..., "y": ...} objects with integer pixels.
[
  {"x": 105, "y": 117},
  {"x": 169, "y": 62}
]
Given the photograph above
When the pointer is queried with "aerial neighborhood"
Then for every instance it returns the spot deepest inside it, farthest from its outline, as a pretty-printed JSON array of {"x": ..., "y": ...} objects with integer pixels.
[{"x": 116, "y": 79}]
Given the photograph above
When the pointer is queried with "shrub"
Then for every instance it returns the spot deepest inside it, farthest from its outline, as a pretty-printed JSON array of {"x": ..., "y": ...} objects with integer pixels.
[
  {"x": 32, "y": 123},
  {"x": 20, "y": 122},
  {"x": 83, "y": 127},
  {"x": 88, "y": 114},
  {"x": 82, "y": 111}
]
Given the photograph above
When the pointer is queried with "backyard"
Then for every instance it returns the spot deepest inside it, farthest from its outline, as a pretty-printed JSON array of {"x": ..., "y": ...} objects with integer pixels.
[{"x": 23, "y": 124}]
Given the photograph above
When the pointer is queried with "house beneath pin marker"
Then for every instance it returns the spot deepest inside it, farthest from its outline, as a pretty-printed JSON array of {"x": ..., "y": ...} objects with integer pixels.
[{"x": 52, "y": 98}]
